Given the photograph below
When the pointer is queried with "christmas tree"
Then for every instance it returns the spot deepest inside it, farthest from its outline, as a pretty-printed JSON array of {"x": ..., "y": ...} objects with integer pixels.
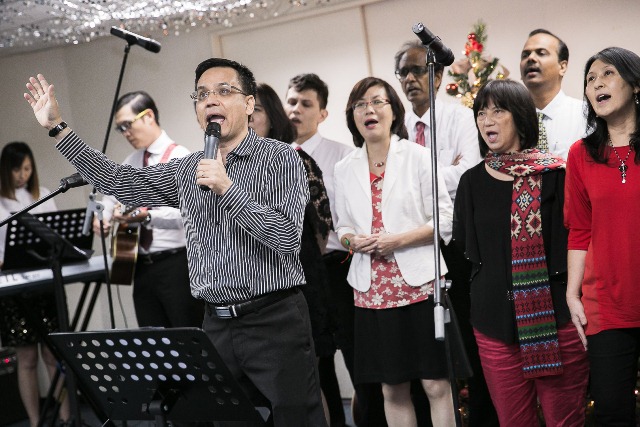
[{"x": 472, "y": 71}]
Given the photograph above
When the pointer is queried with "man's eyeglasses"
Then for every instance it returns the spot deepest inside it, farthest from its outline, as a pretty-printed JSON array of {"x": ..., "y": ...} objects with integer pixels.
[
  {"x": 416, "y": 70},
  {"x": 221, "y": 92},
  {"x": 361, "y": 106},
  {"x": 125, "y": 126}
]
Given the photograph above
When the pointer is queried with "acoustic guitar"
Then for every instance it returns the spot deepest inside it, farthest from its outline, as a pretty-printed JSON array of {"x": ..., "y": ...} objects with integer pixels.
[{"x": 124, "y": 249}]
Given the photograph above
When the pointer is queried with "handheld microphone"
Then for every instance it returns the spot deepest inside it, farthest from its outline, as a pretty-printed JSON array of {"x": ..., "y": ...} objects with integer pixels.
[
  {"x": 211, "y": 143},
  {"x": 72, "y": 181},
  {"x": 132, "y": 38},
  {"x": 442, "y": 53}
]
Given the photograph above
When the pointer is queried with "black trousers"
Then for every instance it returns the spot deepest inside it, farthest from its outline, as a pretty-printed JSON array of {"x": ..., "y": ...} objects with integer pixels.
[
  {"x": 162, "y": 294},
  {"x": 270, "y": 353},
  {"x": 613, "y": 359}
]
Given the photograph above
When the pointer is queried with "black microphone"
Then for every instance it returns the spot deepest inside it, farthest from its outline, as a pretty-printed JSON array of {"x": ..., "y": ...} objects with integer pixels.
[
  {"x": 132, "y": 38},
  {"x": 442, "y": 53},
  {"x": 72, "y": 181},
  {"x": 211, "y": 143}
]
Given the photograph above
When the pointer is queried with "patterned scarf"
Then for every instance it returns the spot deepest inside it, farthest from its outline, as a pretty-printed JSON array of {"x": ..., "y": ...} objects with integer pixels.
[{"x": 535, "y": 317}]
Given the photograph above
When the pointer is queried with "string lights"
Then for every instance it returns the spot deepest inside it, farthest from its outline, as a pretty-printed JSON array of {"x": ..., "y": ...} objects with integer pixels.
[{"x": 36, "y": 24}]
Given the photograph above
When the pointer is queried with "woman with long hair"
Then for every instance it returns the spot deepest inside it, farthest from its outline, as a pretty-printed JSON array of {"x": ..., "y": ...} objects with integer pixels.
[
  {"x": 19, "y": 188},
  {"x": 603, "y": 200}
]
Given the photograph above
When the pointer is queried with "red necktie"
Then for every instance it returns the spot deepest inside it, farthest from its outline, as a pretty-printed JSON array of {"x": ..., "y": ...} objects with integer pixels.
[
  {"x": 420, "y": 133},
  {"x": 146, "y": 234}
]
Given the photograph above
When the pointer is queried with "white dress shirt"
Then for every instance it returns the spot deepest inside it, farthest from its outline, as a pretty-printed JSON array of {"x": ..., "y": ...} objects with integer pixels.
[
  {"x": 23, "y": 199},
  {"x": 456, "y": 134},
  {"x": 327, "y": 153},
  {"x": 565, "y": 123},
  {"x": 168, "y": 232}
]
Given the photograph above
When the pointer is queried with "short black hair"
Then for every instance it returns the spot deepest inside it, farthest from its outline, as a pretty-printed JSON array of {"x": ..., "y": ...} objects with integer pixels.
[
  {"x": 563, "y": 50},
  {"x": 627, "y": 64},
  {"x": 247, "y": 81},
  {"x": 138, "y": 101},
  {"x": 310, "y": 81},
  {"x": 516, "y": 99},
  {"x": 281, "y": 127},
  {"x": 438, "y": 68},
  {"x": 358, "y": 91}
]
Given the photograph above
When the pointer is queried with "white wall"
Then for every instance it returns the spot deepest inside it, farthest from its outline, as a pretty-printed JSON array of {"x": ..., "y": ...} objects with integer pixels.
[{"x": 342, "y": 46}]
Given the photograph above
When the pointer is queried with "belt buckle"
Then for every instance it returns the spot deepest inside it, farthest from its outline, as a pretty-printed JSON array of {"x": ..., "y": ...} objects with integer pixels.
[{"x": 226, "y": 312}]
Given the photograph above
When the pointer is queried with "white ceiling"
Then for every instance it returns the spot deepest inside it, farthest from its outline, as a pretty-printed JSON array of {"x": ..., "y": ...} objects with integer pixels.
[{"x": 28, "y": 25}]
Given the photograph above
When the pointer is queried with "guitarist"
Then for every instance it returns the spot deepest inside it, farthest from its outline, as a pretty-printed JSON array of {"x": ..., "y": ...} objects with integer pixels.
[{"x": 161, "y": 290}]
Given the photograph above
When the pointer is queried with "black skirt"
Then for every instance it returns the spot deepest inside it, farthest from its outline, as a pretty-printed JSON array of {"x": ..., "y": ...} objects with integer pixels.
[
  {"x": 18, "y": 328},
  {"x": 397, "y": 345}
]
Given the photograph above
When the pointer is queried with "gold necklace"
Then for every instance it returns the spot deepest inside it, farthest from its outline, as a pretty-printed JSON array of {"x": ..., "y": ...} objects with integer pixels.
[{"x": 623, "y": 163}]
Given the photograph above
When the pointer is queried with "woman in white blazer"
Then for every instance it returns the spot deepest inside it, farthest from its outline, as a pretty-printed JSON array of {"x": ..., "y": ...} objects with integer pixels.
[{"x": 384, "y": 206}]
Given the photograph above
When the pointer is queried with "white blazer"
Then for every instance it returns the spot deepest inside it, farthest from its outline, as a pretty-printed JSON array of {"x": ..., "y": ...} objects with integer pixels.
[{"x": 407, "y": 202}]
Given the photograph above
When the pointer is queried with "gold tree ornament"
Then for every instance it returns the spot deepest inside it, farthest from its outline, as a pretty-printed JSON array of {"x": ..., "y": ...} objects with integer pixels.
[{"x": 474, "y": 70}]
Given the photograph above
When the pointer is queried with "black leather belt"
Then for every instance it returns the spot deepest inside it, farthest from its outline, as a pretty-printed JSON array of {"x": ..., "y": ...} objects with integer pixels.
[
  {"x": 241, "y": 308},
  {"x": 152, "y": 257}
]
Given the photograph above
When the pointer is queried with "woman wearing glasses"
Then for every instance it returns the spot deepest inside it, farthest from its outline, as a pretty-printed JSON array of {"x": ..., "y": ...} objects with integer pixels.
[{"x": 384, "y": 205}]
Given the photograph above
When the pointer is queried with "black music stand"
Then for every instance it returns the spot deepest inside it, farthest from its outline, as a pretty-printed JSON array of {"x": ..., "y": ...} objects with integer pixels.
[
  {"x": 155, "y": 374},
  {"x": 30, "y": 238}
]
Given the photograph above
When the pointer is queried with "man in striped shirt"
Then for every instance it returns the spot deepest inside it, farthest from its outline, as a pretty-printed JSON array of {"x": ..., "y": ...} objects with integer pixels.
[{"x": 243, "y": 236}]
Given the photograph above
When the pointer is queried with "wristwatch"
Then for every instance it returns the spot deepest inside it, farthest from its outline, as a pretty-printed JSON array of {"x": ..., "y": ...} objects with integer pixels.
[{"x": 54, "y": 131}]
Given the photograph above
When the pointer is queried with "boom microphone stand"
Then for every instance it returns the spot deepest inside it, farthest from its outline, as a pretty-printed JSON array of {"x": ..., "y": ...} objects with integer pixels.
[
  {"x": 438, "y": 53},
  {"x": 93, "y": 206}
]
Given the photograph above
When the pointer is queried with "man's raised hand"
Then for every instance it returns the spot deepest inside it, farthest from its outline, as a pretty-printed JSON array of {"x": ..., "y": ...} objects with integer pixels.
[{"x": 42, "y": 99}]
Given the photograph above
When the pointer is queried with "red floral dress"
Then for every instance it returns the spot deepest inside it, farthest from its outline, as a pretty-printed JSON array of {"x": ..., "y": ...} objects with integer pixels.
[{"x": 388, "y": 288}]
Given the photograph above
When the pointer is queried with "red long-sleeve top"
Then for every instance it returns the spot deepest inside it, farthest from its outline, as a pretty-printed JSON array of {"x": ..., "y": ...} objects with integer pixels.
[{"x": 602, "y": 216}]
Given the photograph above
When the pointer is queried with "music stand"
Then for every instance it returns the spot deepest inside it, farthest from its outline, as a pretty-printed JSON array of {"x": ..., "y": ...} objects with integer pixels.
[
  {"x": 155, "y": 374},
  {"x": 30, "y": 239}
]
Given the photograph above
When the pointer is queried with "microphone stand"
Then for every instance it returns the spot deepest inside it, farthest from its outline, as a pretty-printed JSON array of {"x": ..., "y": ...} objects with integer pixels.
[
  {"x": 96, "y": 208},
  {"x": 441, "y": 314}
]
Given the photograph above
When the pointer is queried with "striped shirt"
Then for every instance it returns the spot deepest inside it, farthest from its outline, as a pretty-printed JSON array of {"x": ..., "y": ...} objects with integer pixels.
[{"x": 240, "y": 245}]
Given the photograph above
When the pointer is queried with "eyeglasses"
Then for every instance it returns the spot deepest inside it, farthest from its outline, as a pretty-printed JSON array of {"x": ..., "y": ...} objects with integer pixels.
[
  {"x": 223, "y": 91},
  {"x": 125, "y": 126},
  {"x": 416, "y": 70},
  {"x": 377, "y": 104}
]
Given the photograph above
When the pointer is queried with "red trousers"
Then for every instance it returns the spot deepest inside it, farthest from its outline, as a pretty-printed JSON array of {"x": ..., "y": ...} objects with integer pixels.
[{"x": 562, "y": 397}]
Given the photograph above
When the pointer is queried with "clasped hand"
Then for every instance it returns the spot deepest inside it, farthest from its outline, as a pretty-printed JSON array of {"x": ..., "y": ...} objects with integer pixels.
[{"x": 382, "y": 243}]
